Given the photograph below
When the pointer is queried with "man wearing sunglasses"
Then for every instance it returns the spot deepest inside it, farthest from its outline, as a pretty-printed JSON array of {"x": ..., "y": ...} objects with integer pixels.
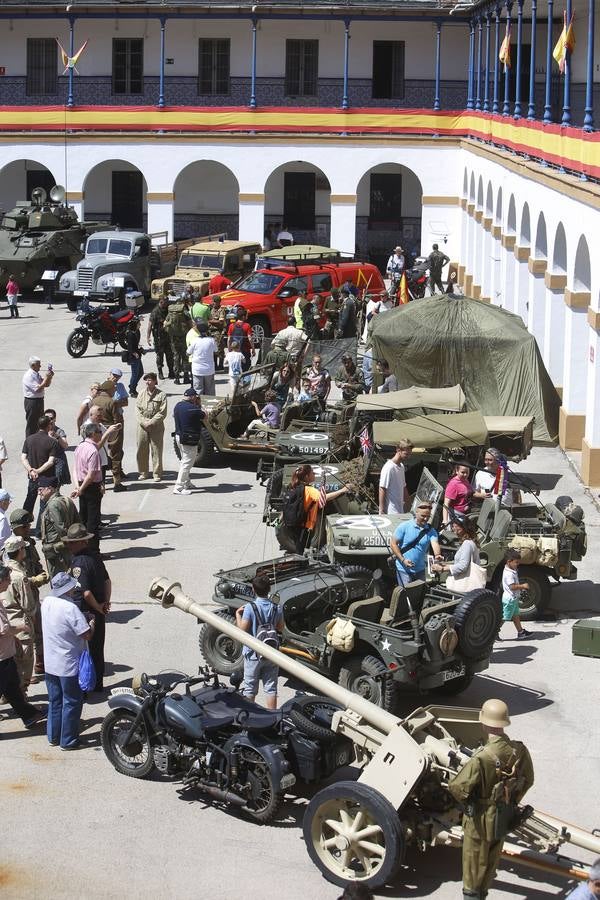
[{"x": 591, "y": 889}]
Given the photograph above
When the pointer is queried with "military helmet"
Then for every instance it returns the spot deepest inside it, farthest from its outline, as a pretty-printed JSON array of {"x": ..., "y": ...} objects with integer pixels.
[
  {"x": 574, "y": 513},
  {"x": 494, "y": 714},
  {"x": 562, "y": 502},
  {"x": 20, "y": 517}
]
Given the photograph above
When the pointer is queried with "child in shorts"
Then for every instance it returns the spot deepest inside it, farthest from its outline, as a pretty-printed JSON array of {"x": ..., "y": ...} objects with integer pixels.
[
  {"x": 511, "y": 589},
  {"x": 234, "y": 361}
]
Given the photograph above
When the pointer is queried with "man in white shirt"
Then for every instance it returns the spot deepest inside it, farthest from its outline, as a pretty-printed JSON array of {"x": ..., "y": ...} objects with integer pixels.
[
  {"x": 5, "y": 529},
  {"x": 290, "y": 339},
  {"x": 202, "y": 356},
  {"x": 34, "y": 385},
  {"x": 395, "y": 266},
  {"x": 285, "y": 238},
  {"x": 392, "y": 482}
]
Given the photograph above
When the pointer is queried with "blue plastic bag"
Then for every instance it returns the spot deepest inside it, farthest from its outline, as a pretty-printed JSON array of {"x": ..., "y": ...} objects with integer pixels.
[{"x": 87, "y": 673}]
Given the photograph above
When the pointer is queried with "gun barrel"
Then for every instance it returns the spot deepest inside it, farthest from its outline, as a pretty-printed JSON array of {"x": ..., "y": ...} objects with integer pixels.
[{"x": 171, "y": 594}]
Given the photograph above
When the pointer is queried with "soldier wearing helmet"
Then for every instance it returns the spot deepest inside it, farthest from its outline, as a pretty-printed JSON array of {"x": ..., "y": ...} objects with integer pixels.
[{"x": 490, "y": 786}]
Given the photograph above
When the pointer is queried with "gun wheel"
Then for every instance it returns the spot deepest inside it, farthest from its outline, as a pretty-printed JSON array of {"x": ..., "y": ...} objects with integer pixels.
[{"x": 353, "y": 834}]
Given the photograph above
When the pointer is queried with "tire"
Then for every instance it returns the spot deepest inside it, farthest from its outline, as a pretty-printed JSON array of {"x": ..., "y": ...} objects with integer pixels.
[
  {"x": 368, "y": 677},
  {"x": 343, "y": 803},
  {"x": 275, "y": 484},
  {"x": 535, "y": 600},
  {"x": 303, "y": 712},
  {"x": 477, "y": 617},
  {"x": 115, "y": 726},
  {"x": 356, "y": 572},
  {"x": 77, "y": 343},
  {"x": 205, "y": 451},
  {"x": 260, "y": 329},
  {"x": 220, "y": 652},
  {"x": 454, "y": 686},
  {"x": 267, "y": 797}
]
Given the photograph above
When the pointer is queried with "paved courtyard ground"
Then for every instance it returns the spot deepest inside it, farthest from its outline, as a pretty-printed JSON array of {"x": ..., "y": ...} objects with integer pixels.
[{"x": 73, "y": 827}]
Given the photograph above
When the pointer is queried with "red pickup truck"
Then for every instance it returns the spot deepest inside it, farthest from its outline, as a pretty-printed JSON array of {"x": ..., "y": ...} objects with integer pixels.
[{"x": 269, "y": 294}]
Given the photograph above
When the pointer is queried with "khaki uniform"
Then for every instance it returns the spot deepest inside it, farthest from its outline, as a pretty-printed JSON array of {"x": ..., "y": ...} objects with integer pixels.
[
  {"x": 162, "y": 344},
  {"x": 22, "y": 604},
  {"x": 110, "y": 413},
  {"x": 217, "y": 329},
  {"x": 177, "y": 324},
  {"x": 475, "y": 787},
  {"x": 152, "y": 408},
  {"x": 58, "y": 516}
]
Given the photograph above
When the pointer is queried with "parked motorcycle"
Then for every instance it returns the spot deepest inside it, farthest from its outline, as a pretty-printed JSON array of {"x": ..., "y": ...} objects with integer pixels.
[
  {"x": 416, "y": 281},
  {"x": 219, "y": 742},
  {"x": 102, "y": 325}
]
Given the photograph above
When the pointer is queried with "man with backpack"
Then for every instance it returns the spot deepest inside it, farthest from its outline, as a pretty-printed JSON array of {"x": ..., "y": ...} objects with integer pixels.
[
  {"x": 264, "y": 620},
  {"x": 241, "y": 332}
]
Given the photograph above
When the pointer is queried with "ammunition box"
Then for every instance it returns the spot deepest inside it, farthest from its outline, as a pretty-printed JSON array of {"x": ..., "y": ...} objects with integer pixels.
[{"x": 586, "y": 638}]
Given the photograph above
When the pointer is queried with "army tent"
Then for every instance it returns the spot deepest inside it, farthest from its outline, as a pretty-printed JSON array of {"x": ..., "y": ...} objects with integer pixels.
[{"x": 447, "y": 340}]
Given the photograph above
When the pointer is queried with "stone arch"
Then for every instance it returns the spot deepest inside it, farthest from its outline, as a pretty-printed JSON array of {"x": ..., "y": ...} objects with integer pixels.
[
  {"x": 525, "y": 230},
  {"x": 498, "y": 217},
  {"x": 206, "y": 200},
  {"x": 511, "y": 218},
  {"x": 19, "y": 177},
  {"x": 559, "y": 250},
  {"x": 541, "y": 238},
  {"x": 582, "y": 274},
  {"x": 489, "y": 201},
  {"x": 298, "y": 194},
  {"x": 115, "y": 190},
  {"x": 389, "y": 202}
]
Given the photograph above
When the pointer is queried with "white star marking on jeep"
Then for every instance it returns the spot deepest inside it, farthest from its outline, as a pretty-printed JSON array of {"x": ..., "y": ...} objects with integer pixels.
[
  {"x": 385, "y": 644},
  {"x": 364, "y": 522},
  {"x": 310, "y": 436}
]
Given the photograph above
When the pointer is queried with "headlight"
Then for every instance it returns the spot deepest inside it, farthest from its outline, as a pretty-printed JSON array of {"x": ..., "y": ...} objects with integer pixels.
[
  {"x": 156, "y": 288},
  {"x": 65, "y": 283}
]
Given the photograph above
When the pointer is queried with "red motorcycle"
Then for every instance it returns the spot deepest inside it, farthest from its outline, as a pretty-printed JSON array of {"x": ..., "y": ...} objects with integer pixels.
[{"x": 101, "y": 324}]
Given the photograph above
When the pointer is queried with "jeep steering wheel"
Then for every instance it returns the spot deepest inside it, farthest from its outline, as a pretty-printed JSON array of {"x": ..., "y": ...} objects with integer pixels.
[{"x": 328, "y": 602}]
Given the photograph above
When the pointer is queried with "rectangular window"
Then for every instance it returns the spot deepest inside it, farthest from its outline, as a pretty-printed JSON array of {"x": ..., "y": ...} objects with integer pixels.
[
  {"x": 385, "y": 201},
  {"x": 299, "y": 200},
  {"x": 42, "y": 63},
  {"x": 301, "y": 68},
  {"x": 128, "y": 66},
  {"x": 213, "y": 65},
  {"x": 388, "y": 70}
]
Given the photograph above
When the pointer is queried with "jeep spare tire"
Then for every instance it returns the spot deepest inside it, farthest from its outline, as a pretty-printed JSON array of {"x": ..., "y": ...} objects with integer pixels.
[
  {"x": 220, "y": 652},
  {"x": 477, "y": 618}
]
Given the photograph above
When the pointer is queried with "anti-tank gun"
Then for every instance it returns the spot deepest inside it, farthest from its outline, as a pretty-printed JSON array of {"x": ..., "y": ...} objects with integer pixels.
[{"x": 358, "y": 830}]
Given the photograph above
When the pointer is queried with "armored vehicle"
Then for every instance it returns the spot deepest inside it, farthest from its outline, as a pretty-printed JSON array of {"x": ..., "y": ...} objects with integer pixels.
[
  {"x": 549, "y": 540},
  {"x": 203, "y": 259},
  {"x": 422, "y": 638},
  {"x": 40, "y": 235}
]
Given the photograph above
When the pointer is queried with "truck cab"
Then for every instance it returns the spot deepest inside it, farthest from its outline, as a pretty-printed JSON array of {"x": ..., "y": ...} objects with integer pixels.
[{"x": 113, "y": 260}]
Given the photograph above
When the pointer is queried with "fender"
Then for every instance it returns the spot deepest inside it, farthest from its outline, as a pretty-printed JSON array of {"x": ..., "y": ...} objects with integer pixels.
[
  {"x": 273, "y": 754},
  {"x": 130, "y": 702}
]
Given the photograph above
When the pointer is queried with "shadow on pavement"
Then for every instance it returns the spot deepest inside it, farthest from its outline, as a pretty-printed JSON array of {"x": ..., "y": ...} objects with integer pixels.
[
  {"x": 224, "y": 488},
  {"x": 139, "y": 552},
  {"x": 122, "y": 616}
]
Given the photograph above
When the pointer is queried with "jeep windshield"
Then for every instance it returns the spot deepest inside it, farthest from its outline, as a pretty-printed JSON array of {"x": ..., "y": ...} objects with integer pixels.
[
  {"x": 115, "y": 247},
  {"x": 201, "y": 261},
  {"x": 260, "y": 283}
]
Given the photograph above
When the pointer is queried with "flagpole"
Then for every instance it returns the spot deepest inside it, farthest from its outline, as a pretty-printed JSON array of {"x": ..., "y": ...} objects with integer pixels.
[
  {"x": 70, "y": 101},
  {"x": 566, "y": 113}
]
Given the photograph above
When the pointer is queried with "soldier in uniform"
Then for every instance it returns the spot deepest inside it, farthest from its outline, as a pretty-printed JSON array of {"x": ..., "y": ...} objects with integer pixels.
[
  {"x": 435, "y": 263},
  {"x": 177, "y": 325},
  {"x": 489, "y": 787},
  {"x": 156, "y": 332},
  {"x": 20, "y": 522},
  {"x": 111, "y": 414},
  {"x": 21, "y": 605},
  {"x": 58, "y": 516}
]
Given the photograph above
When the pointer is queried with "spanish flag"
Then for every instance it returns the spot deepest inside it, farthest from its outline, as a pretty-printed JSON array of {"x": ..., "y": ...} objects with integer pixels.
[
  {"x": 403, "y": 291},
  {"x": 70, "y": 62},
  {"x": 565, "y": 42},
  {"x": 504, "y": 55}
]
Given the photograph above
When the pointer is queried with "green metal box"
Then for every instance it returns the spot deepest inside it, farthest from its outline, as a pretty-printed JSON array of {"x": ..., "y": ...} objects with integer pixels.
[{"x": 586, "y": 638}]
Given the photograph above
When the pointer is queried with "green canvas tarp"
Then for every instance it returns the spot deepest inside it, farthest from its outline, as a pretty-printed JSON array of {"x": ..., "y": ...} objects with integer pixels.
[
  {"x": 447, "y": 340},
  {"x": 443, "y": 430}
]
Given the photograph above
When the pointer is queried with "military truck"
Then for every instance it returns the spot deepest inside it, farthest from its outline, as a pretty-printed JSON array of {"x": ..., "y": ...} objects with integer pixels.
[
  {"x": 421, "y": 638},
  {"x": 550, "y": 541},
  {"x": 40, "y": 235},
  {"x": 202, "y": 260},
  {"x": 117, "y": 263}
]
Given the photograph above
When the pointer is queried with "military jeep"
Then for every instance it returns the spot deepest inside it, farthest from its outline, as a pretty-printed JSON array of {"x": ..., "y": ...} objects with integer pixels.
[
  {"x": 549, "y": 540},
  {"x": 422, "y": 638}
]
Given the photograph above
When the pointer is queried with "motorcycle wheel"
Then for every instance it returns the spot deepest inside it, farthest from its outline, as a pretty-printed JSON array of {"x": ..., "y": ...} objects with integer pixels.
[
  {"x": 136, "y": 760},
  {"x": 304, "y": 715},
  {"x": 353, "y": 834},
  {"x": 77, "y": 343},
  {"x": 265, "y": 797},
  {"x": 221, "y": 652}
]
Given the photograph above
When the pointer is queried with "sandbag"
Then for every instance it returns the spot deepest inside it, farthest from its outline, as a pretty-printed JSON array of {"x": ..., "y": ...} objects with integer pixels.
[{"x": 527, "y": 547}]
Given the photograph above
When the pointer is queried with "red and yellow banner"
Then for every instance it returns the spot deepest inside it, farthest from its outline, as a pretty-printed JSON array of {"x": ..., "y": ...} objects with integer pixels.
[{"x": 571, "y": 148}]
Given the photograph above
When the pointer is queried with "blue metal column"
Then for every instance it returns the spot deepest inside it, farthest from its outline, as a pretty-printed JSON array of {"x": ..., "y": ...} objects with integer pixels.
[
  {"x": 70, "y": 100},
  {"x": 161, "y": 76},
  {"x": 517, "y": 110},
  {"x": 438, "y": 65},
  {"x": 566, "y": 113},
  {"x": 470, "y": 103},
  {"x": 531, "y": 107},
  {"x": 345, "y": 101},
  {"x": 253, "y": 67},
  {"x": 495, "y": 101},
  {"x": 506, "y": 105},
  {"x": 588, "y": 120},
  {"x": 479, "y": 47},
  {"x": 549, "y": 47},
  {"x": 486, "y": 68}
]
